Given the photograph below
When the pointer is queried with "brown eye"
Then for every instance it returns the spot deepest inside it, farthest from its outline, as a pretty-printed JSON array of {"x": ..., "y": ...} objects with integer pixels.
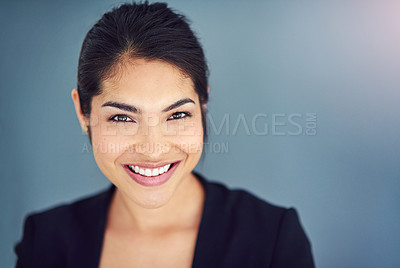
[
  {"x": 179, "y": 115},
  {"x": 121, "y": 118}
]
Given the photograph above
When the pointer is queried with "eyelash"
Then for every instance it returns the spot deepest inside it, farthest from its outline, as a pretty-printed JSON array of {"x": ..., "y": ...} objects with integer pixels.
[
  {"x": 183, "y": 115},
  {"x": 127, "y": 119},
  {"x": 117, "y": 119}
]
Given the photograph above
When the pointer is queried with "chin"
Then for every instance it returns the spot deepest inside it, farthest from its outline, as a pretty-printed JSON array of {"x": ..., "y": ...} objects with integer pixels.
[
  {"x": 151, "y": 199},
  {"x": 153, "y": 204}
]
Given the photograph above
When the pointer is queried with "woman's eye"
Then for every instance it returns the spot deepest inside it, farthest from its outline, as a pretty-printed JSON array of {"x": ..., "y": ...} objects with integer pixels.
[
  {"x": 121, "y": 118},
  {"x": 179, "y": 115}
]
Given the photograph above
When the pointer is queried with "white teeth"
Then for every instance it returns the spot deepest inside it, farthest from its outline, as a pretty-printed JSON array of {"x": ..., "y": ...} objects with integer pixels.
[
  {"x": 166, "y": 167},
  {"x": 149, "y": 172},
  {"x": 155, "y": 172},
  {"x": 161, "y": 170}
]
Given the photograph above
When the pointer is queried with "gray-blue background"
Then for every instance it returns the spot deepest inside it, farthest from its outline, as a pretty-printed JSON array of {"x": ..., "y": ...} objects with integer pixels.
[{"x": 270, "y": 62}]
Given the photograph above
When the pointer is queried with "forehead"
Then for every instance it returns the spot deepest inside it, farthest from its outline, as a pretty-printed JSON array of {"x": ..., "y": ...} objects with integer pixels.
[{"x": 146, "y": 77}]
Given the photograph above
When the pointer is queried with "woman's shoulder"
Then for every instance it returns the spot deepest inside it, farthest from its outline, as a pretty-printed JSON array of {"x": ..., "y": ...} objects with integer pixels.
[
  {"x": 83, "y": 207},
  {"x": 70, "y": 231},
  {"x": 235, "y": 220},
  {"x": 247, "y": 213},
  {"x": 237, "y": 201}
]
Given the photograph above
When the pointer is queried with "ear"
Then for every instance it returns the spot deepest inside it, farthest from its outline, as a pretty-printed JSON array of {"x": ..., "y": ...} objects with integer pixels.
[{"x": 84, "y": 122}]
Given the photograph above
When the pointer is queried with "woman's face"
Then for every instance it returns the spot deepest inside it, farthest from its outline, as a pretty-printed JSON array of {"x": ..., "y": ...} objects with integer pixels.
[{"x": 146, "y": 130}]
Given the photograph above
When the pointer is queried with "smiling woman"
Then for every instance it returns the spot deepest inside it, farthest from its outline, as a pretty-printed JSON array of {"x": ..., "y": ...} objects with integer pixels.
[
  {"x": 150, "y": 113},
  {"x": 141, "y": 97}
]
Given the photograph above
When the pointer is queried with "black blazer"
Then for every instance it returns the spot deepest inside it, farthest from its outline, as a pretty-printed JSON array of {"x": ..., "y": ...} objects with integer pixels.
[{"x": 237, "y": 230}]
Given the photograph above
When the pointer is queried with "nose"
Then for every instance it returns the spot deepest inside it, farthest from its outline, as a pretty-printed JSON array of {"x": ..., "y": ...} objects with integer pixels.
[{"x": 151, "y": 139}]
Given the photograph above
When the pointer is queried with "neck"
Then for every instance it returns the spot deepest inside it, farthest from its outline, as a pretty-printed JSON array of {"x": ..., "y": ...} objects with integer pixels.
[{"x": 182, "y": 211}]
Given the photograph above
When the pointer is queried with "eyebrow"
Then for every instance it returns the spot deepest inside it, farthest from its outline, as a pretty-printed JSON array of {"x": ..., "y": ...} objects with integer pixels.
[
  {"x": 121, "y": 106},
  {"x": 177, "y": 104},
  {"x": 133, "y": 109}
]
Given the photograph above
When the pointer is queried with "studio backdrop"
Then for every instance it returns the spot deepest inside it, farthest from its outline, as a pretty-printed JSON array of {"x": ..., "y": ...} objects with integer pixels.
[{"x": 303, "y": 112}]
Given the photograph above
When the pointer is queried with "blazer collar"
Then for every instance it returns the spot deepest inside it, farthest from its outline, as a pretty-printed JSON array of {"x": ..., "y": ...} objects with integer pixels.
[{"x": 207, "y": 237}]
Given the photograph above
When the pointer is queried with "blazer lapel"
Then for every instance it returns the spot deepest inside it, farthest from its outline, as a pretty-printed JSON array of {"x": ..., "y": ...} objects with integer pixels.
[
  {"x": 209, "y": 246},
  {"x": 91, "y": 226}
]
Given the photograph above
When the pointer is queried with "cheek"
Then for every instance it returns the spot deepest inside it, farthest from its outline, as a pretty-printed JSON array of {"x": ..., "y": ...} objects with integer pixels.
[
  {"x": 107, "y": 144},
  {"x": 189, "y": 136}
]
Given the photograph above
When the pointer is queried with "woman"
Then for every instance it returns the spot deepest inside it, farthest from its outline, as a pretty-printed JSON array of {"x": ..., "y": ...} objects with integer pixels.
[{"x": 141, "y": 97}]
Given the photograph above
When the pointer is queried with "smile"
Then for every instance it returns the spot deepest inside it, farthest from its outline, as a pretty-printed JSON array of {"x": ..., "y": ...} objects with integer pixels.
[
  {"x": 148, "y": 175},
  {"x": 150, "y": 172}
]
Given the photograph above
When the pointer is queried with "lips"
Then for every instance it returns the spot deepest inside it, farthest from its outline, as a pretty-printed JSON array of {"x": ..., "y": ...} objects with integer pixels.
[{"x": 150, "y": 175}]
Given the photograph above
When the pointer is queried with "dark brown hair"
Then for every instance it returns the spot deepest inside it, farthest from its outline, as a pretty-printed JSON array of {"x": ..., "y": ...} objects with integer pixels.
[{"x": 140, "y": 30}]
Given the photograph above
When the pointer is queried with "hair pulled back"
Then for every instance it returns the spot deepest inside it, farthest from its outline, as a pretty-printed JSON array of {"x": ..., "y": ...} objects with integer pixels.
[{"x": 140, "y": 30}]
